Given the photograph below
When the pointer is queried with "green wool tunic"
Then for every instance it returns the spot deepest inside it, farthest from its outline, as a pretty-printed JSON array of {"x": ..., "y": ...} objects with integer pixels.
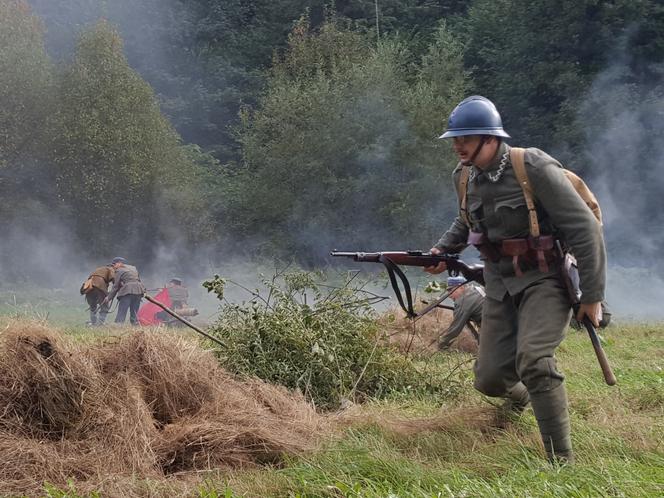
[{"x": 499, "y": 210}]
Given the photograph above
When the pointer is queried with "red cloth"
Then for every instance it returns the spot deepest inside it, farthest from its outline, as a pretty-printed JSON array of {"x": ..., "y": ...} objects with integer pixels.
[{"x": 147, "y": 313}]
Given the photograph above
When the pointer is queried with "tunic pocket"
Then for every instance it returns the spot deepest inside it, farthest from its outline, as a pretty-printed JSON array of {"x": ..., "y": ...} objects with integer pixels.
[
  {"x": 513, "y": 214},
  {"x": 475, "y": 209}
]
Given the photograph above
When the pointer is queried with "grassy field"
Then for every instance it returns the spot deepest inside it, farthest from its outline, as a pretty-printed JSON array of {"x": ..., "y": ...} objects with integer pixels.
[
  {"x": 618, "y": 433},
  {"x": 419, "y": 446},
  {"x": 414, "y": 446}
]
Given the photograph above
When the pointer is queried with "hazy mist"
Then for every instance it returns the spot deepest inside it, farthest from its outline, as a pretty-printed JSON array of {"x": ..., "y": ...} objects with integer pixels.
[
  {"x": 623, "y": 116},
  {"x": 625, "y": 154}
]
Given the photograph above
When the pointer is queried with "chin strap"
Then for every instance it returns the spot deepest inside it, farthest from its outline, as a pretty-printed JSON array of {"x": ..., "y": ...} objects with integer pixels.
[{"x": 477, "y": 150}]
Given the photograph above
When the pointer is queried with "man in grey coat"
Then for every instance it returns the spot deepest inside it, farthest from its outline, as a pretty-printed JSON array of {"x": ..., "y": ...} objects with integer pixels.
[
  {"x": 129, "y": 290},
  {"x": 527, "y": 309},
  {"x": 468, "y": 302}
]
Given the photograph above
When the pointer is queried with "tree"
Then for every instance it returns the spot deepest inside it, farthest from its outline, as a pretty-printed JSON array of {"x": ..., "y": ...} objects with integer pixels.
[
  {"x": 26, "y": 104},
  {"x": 115, "y": 152},
  {"x": 535, "y": 59},
  {"x": 206, "y": 58},
  {"x": 25, "y": 93},
  {"x": 342, "y": 150}
]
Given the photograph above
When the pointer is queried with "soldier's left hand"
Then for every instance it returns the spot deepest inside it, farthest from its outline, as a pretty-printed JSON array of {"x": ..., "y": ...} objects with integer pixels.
[
  {"x": 440, "y": 268},
  {"x": 592, "y": 311}
]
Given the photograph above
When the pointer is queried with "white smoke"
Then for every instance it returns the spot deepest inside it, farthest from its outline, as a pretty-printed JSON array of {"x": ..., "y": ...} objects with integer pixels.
[{"x": 623, "y": 115}]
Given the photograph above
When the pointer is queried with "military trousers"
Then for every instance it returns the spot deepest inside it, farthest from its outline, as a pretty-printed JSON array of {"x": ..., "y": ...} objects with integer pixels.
[
  {"x": 519, "y": 337},
  {"x": 131, "y": 303},
  {"x": 95, "y": 299}
]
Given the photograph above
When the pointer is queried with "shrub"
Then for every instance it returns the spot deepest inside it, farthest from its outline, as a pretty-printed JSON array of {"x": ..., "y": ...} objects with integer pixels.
[{"x": 306, "y": 334}]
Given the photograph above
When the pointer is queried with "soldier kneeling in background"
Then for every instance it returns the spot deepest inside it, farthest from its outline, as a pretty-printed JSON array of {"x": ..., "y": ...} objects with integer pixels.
[
  {"x": 468, "y": 301},
  {"x": 179, "y": 296}
]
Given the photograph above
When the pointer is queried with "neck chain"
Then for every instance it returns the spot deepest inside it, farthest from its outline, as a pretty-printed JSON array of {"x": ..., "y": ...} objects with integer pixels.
[{"x": 493, "y": 177}]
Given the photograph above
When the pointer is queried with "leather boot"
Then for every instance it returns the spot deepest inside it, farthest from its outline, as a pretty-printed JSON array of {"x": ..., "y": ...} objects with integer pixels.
[
  {"x": 552, "y": 416},
  {"x": 517, "y": 398}
]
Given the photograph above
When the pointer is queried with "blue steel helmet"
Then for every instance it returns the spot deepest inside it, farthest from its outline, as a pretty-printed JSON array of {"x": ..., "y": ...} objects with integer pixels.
[
  {"x": 455, "y": 281},
  {"x": 118, "y": 260},
  {"x": 475, "y": 115}
]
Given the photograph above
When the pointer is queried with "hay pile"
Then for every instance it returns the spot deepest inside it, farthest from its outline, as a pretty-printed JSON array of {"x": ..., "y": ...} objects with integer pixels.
[
  {"x": 422, "y": 336},
  {"x": 148, "y": 404}
]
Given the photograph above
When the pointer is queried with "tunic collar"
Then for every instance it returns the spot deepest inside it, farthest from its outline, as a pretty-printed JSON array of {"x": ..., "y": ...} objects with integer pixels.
[{"x": 495, "y": 162}]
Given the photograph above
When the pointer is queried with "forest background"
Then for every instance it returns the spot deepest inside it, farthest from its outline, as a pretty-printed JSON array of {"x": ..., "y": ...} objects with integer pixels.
[{"x": 183, "y": 134}]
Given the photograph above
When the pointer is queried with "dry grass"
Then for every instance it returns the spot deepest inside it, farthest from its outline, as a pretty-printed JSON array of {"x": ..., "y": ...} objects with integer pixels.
[
  {"x": 421, "y": 337},
  {"x": 452, "y": 421},
  {"x": 146, "y": 404}
]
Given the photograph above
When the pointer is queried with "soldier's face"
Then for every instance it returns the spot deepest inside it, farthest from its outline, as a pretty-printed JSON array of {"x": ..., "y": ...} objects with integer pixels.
[{"x": 465, "y": 147}]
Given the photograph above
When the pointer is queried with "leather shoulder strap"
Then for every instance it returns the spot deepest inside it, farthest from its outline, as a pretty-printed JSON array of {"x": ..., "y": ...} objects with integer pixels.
[{"x": 519, "y": 166}]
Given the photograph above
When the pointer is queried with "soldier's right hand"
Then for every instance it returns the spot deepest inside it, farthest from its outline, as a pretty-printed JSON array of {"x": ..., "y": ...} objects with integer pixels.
[{"x": 440, "y": 268}]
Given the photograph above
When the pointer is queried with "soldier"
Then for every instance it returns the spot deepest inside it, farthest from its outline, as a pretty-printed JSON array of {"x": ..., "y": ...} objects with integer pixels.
[
  {"x": 178, "y": 293},
  {"x": 468, "y": 301},
  {"x": 95, "y": 289},
  {"x": 129, "y": 289},
  {"x": 179, "y": 296},
  {"x": 527, "y": 309}
]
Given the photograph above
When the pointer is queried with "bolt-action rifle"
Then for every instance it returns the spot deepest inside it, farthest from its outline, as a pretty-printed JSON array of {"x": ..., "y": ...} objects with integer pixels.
[{"x": 392, "y": 260}]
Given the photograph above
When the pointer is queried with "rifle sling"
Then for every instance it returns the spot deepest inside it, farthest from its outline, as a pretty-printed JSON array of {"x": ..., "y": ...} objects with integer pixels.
[{"x": 393, "y": 272}]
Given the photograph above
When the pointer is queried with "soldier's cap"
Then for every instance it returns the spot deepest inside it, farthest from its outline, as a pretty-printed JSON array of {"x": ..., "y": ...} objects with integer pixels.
[
  {"x": 118, "y": 260},
  {"x": 455, "y": 281},
  {"x": 176, "y": 281}
]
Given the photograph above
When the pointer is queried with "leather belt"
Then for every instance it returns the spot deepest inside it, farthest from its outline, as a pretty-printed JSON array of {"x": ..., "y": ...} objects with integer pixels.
[{"x": 539, "y": 250}]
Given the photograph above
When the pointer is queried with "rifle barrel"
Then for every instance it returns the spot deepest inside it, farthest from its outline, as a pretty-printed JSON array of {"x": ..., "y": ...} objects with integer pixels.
[{"x": 371, "y": 257}]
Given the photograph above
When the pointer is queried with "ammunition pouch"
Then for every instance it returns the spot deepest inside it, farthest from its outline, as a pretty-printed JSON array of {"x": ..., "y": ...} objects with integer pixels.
[
  {"x": 529, "y": 251},
  {"x": 539, "y": 250}
]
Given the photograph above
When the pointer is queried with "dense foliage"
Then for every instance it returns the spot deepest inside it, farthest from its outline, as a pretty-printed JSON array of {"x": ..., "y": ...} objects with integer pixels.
[
  {"x": 340, "y": 149},
  {"x": 303, "y": 333},
  {"x": 300, "y": 125}
]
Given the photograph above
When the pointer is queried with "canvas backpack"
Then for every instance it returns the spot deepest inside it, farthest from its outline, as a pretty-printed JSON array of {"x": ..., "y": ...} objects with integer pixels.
[{"x": 87, "y": 286}]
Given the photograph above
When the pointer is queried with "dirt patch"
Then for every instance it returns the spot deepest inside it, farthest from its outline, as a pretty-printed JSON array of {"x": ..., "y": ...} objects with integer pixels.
[
  {"x": 148, "y": 404},
  {"x": 421, "y": 336}
]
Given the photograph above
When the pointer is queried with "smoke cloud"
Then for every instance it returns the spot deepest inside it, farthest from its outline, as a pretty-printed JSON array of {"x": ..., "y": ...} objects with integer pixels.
[{"x": 623, "y": 116}]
